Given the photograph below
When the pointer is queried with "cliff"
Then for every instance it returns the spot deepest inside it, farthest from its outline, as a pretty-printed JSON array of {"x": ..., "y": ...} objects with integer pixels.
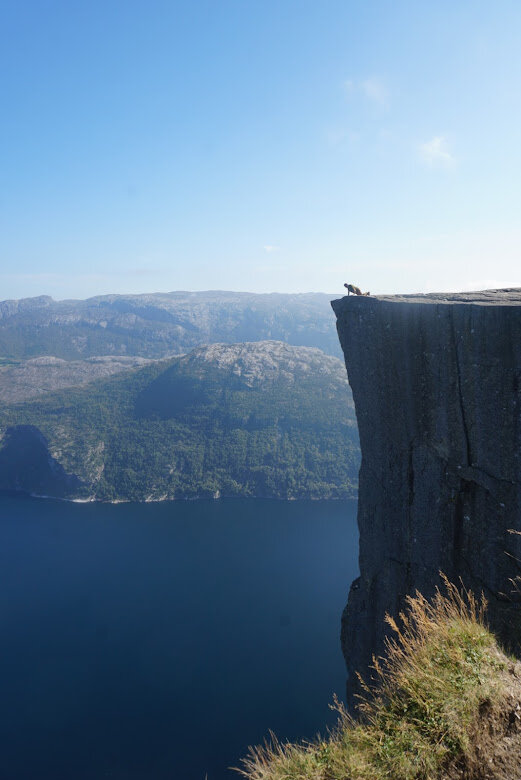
[{"x": 436, "y": 383}]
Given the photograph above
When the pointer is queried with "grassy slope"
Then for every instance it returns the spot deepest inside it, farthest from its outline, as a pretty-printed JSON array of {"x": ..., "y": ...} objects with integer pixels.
[{"x": 447, "y": 705}]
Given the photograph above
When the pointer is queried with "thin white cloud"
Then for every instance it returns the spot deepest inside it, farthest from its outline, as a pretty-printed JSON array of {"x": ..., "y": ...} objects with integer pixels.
[
  {"x": 373, "y": 89},
  {"x": 271, "y": 248},
  {"x": 436, "y": 151}
]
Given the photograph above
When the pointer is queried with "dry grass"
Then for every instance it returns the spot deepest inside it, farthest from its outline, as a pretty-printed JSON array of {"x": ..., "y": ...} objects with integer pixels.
[{"x": 437, "y": 709}]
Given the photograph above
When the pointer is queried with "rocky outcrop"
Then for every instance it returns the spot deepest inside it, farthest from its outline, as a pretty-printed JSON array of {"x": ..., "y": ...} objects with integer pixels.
[
  {"x": 26, "y": 379},
  {"x": 436, "y": 382}
]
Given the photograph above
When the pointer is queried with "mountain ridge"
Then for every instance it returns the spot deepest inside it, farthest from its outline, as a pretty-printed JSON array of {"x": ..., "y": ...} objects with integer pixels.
[
  {"x": 157, "y": 325},
  {"x": 262, "y": 419}
]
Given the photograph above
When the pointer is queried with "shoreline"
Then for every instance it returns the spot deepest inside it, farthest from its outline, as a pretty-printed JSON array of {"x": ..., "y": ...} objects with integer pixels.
[{"x": 94, "y": 500}]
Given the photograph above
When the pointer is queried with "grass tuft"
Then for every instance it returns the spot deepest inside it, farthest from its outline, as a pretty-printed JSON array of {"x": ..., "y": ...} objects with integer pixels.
[{"x": 421, "y": 715}]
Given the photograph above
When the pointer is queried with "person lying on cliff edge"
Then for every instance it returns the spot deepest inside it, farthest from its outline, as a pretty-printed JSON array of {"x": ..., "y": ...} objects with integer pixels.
[{"x": 351, "y": 288}]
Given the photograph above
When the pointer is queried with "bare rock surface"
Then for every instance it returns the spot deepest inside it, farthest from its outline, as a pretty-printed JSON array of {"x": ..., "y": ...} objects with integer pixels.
[
  {"x": 436, "y": 381},
  {"x": 264, "y": 362},
  {"x": 23, "y": 380},
  {"x": 505, "y": 297}
]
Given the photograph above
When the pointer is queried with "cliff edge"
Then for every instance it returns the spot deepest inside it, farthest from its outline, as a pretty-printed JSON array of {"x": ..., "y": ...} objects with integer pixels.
[{"x": 436, "y": 381}]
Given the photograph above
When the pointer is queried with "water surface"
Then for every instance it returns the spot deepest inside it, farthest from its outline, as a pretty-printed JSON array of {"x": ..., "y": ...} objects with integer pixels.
[{"x": 158, "y": 641}]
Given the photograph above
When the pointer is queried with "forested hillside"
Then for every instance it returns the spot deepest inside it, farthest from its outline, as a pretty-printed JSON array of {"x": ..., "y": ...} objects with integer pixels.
[{"x": 253, "y": 419}]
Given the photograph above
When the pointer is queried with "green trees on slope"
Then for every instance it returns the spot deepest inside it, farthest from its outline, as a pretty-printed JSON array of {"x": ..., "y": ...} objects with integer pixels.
[{"x": 183, "y": 430}]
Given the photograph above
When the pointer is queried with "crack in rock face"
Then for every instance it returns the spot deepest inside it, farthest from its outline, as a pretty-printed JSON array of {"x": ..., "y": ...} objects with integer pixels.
[{"x": 436, "y": 381}]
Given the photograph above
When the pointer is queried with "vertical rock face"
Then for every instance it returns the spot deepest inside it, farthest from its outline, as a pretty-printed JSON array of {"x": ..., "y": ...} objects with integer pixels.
[{"x": 436, "y": 381}]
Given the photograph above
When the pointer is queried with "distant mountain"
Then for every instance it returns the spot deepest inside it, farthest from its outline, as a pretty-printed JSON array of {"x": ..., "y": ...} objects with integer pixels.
[
  {"x": 161, "y": 324},
  {"x": 250, "y": 419},
  {"x": 21, "y": 380}
]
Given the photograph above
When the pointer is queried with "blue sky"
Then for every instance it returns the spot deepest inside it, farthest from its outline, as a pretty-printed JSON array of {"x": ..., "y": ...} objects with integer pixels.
[{"x": 264, "y": 145}]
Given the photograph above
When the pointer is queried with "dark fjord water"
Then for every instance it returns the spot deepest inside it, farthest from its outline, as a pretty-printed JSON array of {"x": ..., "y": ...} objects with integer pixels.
[{"x": 158, "y": 641}]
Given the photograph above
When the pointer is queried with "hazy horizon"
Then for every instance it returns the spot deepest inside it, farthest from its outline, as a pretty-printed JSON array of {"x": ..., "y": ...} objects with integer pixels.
[{"x": 339, "y": 293}]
